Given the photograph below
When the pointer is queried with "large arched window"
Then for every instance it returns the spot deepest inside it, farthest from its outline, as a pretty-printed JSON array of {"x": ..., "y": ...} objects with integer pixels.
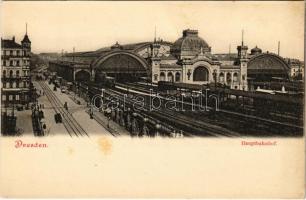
[
  {"x": 235, "y": 77},
  {"x": 162, "y": 76},
  {"x": 221, "y": 77},
  {"x": 177, "y": 77},
  {"x": 11, "y": 73},
  {"x": 200, "y": 74},
  {"x": 4, "y": 73},
  {"x": 228, "y": 77},
  {"x": 17, "y": 73},
  {"x": 170, "y": 77}
]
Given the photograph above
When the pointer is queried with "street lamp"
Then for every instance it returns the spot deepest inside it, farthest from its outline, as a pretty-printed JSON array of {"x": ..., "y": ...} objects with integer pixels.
[
  {"x": 145, "y": 129},
  {"x": 157, "y": 126},
  {"x": 128, "y": 77},
  {"x": 108, "y": 114}
]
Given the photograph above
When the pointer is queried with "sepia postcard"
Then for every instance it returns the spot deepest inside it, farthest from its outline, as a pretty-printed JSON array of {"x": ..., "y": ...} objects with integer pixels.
[{"x": 152, "y": 99}]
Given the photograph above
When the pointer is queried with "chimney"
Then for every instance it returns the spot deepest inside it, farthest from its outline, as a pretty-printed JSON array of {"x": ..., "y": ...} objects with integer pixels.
[{"x": 13, "y": 39}]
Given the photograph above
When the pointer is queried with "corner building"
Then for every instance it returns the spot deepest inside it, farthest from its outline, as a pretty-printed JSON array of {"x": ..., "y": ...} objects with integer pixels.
[{"x": 15, "y": 71}]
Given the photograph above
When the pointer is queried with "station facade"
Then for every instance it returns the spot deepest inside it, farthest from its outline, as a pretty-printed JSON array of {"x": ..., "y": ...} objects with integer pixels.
[{"x": 187, "y": 60}]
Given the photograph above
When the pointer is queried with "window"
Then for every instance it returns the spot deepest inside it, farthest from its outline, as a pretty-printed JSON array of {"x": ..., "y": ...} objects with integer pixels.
[
  {"x": 24, "y": 84},
  {"x": 17, "y": 62},
  {"x": 11, "y": 63},
  {"x": 18, "y": 52},
  {"x": 3, "y": 97},
  {"x": 11, "y": 84},
  {"x": 10, "y": 97},
  {"x": 4, "y": 84},
  {"x": 177, "y": 77},
  {"x": 235, "y": 77},
  {"x": 11, "y": 73},
  {"x": 17, "y": 97},
  {"x": 4, "y": 73},
  {"x": 228, "y": 77},
  {"x": 11, "y": 52},
  {"x": 162, "y": 76},
  {"x": 17, "y": 84},
  {"x": 221, "y": 77},
  {"x": 17, "y": 73},
  {"x": 170, "y": 77}
]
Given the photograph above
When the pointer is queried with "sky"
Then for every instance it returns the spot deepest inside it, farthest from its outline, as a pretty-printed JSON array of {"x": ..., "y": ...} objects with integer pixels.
[{"x": 87, "y": 26}]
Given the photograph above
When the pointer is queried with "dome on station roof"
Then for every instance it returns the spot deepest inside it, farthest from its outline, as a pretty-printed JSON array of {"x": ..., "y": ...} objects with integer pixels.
[
  {"x": 256, "y": 51},
  {"x": 190, "y": 44}
]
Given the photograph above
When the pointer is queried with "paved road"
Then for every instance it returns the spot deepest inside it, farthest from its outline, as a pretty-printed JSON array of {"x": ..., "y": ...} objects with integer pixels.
[{"x": 78, "y": 112}]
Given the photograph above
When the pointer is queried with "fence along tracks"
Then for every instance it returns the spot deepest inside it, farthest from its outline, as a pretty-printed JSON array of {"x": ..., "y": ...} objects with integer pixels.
[{"x": 70, "y": 123}]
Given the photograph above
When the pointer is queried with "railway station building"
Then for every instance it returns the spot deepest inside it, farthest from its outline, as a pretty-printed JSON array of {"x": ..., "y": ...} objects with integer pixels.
[{"x": 189, "y": 59}]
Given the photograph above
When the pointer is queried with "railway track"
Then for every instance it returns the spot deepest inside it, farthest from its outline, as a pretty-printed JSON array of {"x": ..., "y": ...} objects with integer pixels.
[
  {"x": 207, "y": 126},
  {"x": 199, "y": 128},
  {"x": 281, "y": 122},
  {"x": 70, "y": 123}
]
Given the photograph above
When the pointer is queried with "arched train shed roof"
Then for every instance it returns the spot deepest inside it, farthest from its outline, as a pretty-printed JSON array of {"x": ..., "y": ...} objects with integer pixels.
[{"x": 268, "y": 63}]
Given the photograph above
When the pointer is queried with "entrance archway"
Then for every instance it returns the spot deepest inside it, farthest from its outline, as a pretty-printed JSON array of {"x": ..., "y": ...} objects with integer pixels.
[
  {"x": 201, "y": 74},
  {"x": 82, "y": 76}
]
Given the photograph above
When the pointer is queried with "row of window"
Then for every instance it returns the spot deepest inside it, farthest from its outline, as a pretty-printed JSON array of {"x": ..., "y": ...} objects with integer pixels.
[
  {"x": 297, "y": 70},
  {"x": 14, "y": 52},
  {"x": 13, "y": 97},
  {"x": 11, "y": 73},
  {"x": 170, "y": 77},
  {"x": 14, "y": 62},
  {"x": 16, "y": 84},
  {"x": 203, "y": 76},
  {"x": 229, "y": 77}
]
